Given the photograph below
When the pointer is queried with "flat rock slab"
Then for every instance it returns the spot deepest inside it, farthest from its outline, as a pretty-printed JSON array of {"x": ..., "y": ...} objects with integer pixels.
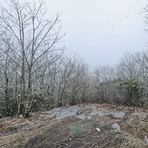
[{"x": 74, "y": 132}]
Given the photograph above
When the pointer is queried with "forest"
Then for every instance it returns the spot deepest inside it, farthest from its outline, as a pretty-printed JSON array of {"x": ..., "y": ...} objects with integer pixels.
[{"x": 37, "y": 74}]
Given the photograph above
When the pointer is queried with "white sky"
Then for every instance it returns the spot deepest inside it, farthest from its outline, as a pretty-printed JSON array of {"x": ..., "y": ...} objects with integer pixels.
[{"x": 100, "y": 31}]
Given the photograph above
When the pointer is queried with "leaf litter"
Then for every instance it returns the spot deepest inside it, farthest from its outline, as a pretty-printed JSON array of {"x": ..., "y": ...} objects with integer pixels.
[{"x": 77, "y": 126}]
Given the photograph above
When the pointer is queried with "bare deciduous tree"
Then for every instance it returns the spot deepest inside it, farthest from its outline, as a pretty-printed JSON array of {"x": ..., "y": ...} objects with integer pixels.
[{"x": 30, "y": 38}]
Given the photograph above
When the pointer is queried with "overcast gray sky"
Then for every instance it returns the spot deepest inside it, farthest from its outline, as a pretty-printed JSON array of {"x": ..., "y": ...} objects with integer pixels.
[{"x": 100, "y": 31}]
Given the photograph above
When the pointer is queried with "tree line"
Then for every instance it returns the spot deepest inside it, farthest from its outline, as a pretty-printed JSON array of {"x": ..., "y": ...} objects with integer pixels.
[{"x": 37, "y": 75}]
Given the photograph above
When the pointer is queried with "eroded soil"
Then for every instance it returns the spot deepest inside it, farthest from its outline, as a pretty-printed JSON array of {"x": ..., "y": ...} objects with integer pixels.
[{"x": 81, "y": 126}]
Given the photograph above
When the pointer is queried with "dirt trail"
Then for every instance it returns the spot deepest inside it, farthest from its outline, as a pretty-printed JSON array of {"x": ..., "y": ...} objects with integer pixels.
[{"x": 83, "y": 126}]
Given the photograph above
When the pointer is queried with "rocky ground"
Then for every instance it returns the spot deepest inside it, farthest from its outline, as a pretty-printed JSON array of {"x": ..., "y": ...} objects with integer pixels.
[{"x": 80, "y": 126}]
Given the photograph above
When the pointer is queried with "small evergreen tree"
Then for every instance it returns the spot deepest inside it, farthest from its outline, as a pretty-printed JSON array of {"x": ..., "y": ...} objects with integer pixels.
[{"x": 133, "y": 91}]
